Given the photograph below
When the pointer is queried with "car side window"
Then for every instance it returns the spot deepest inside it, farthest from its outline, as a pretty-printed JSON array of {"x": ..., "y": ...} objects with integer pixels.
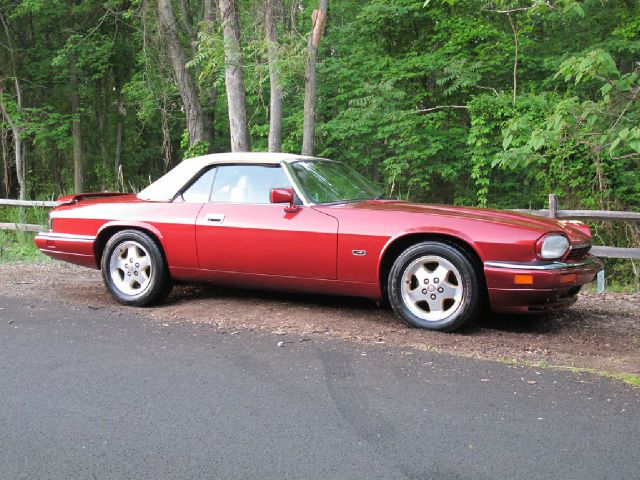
[
  {"x": 200, "y": 190},
  {"x": 247, "y": 183}
]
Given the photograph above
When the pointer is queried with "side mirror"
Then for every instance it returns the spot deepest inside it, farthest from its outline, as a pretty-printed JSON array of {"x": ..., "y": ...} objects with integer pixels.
[{"x": 283, "y": 195}]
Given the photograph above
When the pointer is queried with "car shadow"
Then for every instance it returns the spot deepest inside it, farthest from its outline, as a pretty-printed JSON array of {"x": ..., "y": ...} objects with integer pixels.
[
  {"x": 370, "y": 310},
  {"x": 538, "y": 323},
  {"x": 204, "y": 290}
]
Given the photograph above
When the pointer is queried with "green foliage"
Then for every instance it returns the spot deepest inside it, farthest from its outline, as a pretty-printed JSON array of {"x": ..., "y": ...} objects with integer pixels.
[
  {"x": 416, "y": 95},
  {"x": 16, "y": 245},
  {"x": 195, "y": 150}
]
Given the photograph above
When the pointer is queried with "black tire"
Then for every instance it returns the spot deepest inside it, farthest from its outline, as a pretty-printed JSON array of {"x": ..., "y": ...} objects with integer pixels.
[
  {"x": 431, "y": 302},
  {"x": 134, "y": 269}
]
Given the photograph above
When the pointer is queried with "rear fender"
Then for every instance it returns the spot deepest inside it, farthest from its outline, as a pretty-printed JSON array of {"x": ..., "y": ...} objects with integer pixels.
[
  {"x": 121, "y": 224},
  {"x": 102, "y": 236}
]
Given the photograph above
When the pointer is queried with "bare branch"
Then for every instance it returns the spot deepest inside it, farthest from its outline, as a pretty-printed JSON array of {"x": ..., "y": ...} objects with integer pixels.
[
  {"x": 488, "y": 88},
  {"x": 440, "y": 107},
  {"x": 510, "y": 10}
]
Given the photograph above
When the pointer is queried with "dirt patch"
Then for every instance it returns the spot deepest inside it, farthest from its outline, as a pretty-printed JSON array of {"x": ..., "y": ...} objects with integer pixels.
[{"x": 601, "y": 332}]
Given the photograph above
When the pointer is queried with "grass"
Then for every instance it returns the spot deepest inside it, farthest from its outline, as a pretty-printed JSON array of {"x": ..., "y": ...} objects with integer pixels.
[
  {"x": 629, "y": 378},
  {"x": 19, "y": 246},
  {"x": 612, "y": 287}
]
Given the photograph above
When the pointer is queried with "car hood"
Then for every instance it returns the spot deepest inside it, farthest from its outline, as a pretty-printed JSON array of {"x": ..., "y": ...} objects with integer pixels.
[{"x": 504, "y": 217}]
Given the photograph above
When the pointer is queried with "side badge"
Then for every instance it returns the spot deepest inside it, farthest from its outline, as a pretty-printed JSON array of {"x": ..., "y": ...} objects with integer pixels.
[{"x": 359, "y": 253}]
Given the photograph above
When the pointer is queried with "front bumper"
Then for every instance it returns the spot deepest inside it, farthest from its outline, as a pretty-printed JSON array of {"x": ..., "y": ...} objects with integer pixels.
[{"x": 554, "y": 285}]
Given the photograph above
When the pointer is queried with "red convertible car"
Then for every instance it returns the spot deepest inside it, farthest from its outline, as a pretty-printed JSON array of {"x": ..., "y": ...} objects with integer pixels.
[{"x": 281, "y": 221}]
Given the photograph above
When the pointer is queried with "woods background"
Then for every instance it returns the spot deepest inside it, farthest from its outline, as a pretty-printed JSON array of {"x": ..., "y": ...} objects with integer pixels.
[{"x": 461, "y": 101}]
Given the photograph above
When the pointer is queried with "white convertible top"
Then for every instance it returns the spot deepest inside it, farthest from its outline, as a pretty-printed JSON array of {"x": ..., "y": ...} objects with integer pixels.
[{"x": 166, "y": 187}]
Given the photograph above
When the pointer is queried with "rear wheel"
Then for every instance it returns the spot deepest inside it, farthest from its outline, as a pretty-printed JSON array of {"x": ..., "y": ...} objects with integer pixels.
[
  {"x": 434, "y": 285},
  {"x": 134, "y": 270}
]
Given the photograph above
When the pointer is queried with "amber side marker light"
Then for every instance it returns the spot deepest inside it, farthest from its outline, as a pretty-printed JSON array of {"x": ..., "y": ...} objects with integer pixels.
[
  {"x": 523, "y": 279},
  {"x": 568, "y": 278}
]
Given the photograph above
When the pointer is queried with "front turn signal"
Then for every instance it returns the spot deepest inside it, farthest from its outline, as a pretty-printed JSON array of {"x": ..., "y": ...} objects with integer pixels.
[{"x": 523, "y": 279}]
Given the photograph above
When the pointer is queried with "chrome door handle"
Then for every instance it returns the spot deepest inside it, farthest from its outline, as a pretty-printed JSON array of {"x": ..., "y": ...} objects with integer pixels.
[{"x": 215, "y": 218}]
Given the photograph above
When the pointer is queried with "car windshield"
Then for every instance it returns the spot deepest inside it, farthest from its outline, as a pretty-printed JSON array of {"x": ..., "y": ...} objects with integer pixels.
[{"x": 326, "y": 181}]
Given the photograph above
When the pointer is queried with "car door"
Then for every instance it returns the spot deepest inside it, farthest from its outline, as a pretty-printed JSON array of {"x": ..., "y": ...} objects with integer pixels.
[{"x": 239, "y": 230}]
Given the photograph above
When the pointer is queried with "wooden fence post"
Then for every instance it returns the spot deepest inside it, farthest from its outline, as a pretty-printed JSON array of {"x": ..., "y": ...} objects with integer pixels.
[{"x": 553, "y": 205}]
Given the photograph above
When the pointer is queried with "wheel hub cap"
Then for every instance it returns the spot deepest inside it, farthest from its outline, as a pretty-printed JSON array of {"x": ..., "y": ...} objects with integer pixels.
[
  {"x": 130, "y": 268},
  {"x": 432, "y": 288}
]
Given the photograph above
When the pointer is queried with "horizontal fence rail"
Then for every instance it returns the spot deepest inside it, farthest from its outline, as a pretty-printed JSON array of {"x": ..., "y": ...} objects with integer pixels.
[
  {"x": 27, "y": 203},
  {"x": 552, "y": 212},
  {"x": 24, "y": 227},
  {"x": 589, "y": 215},
  {"x": 594, "y": 216},
  {"x": 616, "y": 252}
]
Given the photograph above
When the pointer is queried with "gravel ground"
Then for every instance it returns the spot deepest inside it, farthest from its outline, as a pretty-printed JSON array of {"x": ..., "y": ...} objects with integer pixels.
[{"x": 600, "y": 332}]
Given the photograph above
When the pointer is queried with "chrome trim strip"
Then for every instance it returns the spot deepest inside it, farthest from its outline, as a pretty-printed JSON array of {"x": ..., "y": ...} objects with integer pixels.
[
  {"x": 66, "y": 237},
  {"x": 548, "y": 266}
]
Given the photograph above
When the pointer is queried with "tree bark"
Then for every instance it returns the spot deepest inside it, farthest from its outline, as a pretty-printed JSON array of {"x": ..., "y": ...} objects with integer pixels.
[
  {"x": 102, "y": 128},
  {"x": 234, "y": 78},
  {"x": 318, "y": 18},
  {"x": 17, "y": 149},
  {"x": 117, "y": 162},
  {"x": 516, "y": 32},
  {"x": 12, "y": 122},
  {"x": 209, "y": 19},
  {"x": 5, "y": 162},
  {"x": 74, "y": 101},
  {"x": 166, "y": 138},
  {"x": 197, "y": 125},
  {"x": 209, "y": 14},
  {"x": 76, "y": 129},
  {"x": 275, "y": 97},
  {"x": 185, "y": 15}
]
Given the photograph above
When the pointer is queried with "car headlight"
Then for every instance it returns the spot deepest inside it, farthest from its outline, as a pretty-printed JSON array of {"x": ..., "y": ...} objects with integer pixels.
[{"x": 552, "y": 246}]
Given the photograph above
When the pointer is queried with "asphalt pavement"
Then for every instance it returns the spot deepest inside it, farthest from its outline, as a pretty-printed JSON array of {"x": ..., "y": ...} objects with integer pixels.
[{"x": 110, "y": 393}]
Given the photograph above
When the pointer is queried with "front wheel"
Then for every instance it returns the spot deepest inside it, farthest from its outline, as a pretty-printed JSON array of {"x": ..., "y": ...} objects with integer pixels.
[
  {"x": 434, "y": 285},
  {"x": 134, "y": 270}
]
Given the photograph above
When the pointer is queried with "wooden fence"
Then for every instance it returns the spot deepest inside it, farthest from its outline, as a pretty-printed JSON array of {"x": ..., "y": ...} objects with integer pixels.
[
  {"x": 552, "y": 212},
  {"x": 594, "y": 216},
  {"x": 24, "y": 227}
]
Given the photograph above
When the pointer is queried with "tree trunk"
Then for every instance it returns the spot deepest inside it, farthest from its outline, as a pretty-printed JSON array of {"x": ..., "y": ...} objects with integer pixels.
[
  {"x": 516, "y": 31},
  {"x": 209, "y": 14},
  {"x": 74, "y": 100},
  {"x": 17, "y": 148},
  {"x": 318, "y": 18},
  {"x": 185, "y": 15},
  {"x": 234, "y": 78},
  {"x": 209, "y": 19},
  {"x": 119, "y": 132},
  {"x": 12, "y": 122},
  {"x": 275, "y": 102},
  {"x": 102, "y": 128},
  {"x": 19, "y": 163},
  {"x": 76, "y": 130},
  {"x": 5, "y": 162},
  {"x": 17, "y": 141},
  {"x": 166, "y": 138},
  {"x": 197, "y": 125}
]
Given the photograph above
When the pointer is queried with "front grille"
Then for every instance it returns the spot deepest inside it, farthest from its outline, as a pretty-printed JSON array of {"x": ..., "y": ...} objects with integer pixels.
[{"x": 578, "y": 251}]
